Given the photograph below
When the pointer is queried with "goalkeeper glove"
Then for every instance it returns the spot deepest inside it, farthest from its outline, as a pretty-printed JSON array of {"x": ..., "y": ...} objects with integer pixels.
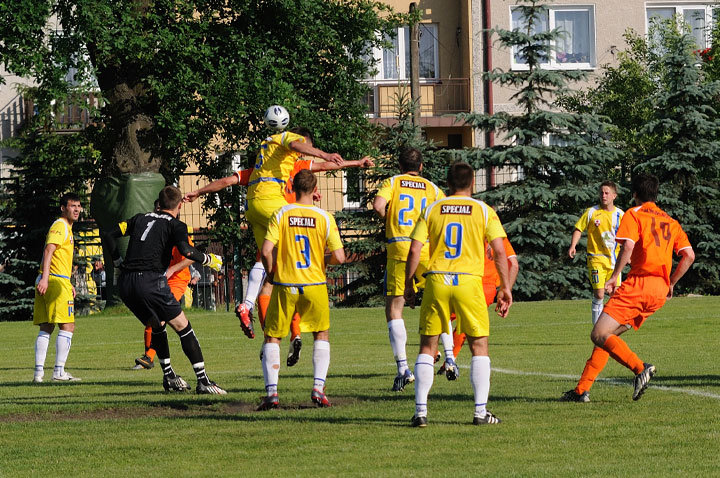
[{"x": 213, "y": 261}]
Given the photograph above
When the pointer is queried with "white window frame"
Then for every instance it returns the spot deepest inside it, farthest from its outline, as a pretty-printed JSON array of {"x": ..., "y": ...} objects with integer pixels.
[
  {"x": 403, "y": 50},
  {"x": 553, "y": 64},
  {"x": 680, "y": 8}
]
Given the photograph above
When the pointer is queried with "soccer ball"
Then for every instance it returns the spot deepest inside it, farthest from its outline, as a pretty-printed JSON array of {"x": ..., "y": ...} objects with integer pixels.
[{"x": 276, "y": 117}]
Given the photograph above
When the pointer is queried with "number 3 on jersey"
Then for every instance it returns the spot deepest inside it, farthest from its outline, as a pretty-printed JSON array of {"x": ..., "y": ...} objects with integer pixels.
[
  {"x": 304, "y": 250},
  {"x": 453, "y": 240},
  {"x": 402, "y": 220}
]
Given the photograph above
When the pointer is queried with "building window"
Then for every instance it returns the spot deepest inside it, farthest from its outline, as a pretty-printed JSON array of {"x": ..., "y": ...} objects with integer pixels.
[
  {"x": 698, "y": 17},
  {"x": 393, "y": 61},
  {"x": 575, "y": 49}
]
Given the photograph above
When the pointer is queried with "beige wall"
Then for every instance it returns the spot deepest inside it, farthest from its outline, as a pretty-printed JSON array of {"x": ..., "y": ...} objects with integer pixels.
[{"x": 612, "y": 18}]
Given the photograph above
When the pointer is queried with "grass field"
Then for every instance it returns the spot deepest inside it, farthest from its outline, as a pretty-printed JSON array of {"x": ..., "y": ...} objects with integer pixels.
[{"x": 118, "y": 422}]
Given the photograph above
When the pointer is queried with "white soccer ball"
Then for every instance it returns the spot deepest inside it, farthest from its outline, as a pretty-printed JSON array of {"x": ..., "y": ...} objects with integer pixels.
[{"x": 276, "y": 117}]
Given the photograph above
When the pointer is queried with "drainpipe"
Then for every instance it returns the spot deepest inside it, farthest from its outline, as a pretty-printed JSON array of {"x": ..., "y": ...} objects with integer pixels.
[
  {"x": 415, "y": 67},
  {"x": 487, "y": 67}
]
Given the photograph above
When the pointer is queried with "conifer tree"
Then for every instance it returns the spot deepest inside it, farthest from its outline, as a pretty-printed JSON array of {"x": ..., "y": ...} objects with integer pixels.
[
  {"x": 555, "y": 181},
  {"x": 686, "y": 156}
]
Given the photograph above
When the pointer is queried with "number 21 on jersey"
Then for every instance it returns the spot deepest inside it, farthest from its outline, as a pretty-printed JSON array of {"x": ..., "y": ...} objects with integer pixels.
[{"x": 405, "y": 221}]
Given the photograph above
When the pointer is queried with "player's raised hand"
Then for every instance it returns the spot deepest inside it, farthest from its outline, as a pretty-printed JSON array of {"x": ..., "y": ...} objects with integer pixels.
[
  {"x": 191, "y": 196},
  {"x": 213, "y": 261},
  {"x": 504, "y": 301},
  {"x": 333, "y": 158},
  {"x": 367, "y": 162},
  {"x": 316, "y": 196}
]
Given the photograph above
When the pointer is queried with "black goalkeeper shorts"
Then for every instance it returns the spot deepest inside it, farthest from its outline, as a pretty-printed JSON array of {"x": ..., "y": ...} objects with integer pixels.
[{"x": 148, "y": 296}]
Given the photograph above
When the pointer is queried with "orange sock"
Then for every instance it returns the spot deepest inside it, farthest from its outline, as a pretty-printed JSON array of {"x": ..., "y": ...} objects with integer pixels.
[
  {"x": 148, "y": 338},
  {"x": 263, "y": 303},
  {"x": 151, "y": 354},
  {"x": 458, "y": 341},
  {"x": 619, "y": 350},
  {"x": 593, "y": 367},
  {"x": 295, "y": 326}
]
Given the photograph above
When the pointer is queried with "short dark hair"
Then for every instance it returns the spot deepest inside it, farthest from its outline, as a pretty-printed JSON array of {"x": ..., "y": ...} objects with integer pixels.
[
  {"x": 410, "y": 160},
  {"x": 460, "y": 176},
  {"x": 645, "y": 186},
  {"x": 304, "y": 182},
  {"x": 67, "y": 197},
  {"x": 303, "y": 131},
  {"x": 169, "y": 198},
  {"x": 609, "y": 184}
]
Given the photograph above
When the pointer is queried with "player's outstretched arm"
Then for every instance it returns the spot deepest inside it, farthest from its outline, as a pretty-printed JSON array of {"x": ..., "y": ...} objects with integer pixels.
[
  {"x": 687, "y": 257},
  {"x": 366, "y": 162},
  {"x": 307, "y": 150},
  {"x": 574, "y": 242},
  {"x": 213, "y": 187}
]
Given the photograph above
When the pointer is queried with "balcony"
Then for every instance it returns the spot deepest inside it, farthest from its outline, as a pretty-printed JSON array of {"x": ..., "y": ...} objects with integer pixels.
[
  {"x": 71, "y": 117},
  {"x": 438, "y": 98}
]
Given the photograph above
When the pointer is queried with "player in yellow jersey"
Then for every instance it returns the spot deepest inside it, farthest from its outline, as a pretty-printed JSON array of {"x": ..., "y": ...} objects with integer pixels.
[
  {"x": 54, "y": 294},
  {"x": 293, "y": 253},
  {"x": 273, "y": 166},
  {"x": 404, "y": 196},
  {"x": 602, "y": 222},
  {"x": 457, "y": 227}
]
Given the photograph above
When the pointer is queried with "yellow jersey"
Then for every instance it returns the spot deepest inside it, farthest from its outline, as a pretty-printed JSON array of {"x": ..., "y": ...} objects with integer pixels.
[
  {"x": 407, "y": 196},
  {"x": 601, "y": 228},
  {"x": 301, "y": 233},
  {"x": 273, "y": 166},
  {"x": 457, "y": 227},
  {"x": 61, "y": 233}
]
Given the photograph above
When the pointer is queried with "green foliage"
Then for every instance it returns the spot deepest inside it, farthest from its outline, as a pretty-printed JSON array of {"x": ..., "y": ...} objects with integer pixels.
[
  {"x": 369, "y": 272},
  {"x": 554, "y": 182}
]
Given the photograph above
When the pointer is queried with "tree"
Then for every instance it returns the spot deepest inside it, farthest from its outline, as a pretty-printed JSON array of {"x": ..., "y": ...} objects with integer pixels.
[
  {"x": 555, "y": 181},
  {"x": 182, "y": 79},
  {"x": 686, "y": 122}
]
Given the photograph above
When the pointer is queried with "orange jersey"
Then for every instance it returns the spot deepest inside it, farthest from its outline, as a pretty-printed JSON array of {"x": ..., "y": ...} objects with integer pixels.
[
  {"x": 183, "y": 275},
  {"x": 244, "y": 177},
  {"x": 656, "y": 236},
  {"x": 490, "y": 276}
]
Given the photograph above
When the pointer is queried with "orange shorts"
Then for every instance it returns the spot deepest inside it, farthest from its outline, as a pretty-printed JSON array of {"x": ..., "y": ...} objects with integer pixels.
[
  {"x": 490, "y": 290},
  {"x": 178, "y": 288},
  {"x": 637, "y": 299}
]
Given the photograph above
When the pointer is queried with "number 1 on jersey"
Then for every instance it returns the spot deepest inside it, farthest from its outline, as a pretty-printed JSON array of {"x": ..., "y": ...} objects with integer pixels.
[
  {"x": 147, "y": 230},
  {"x": 304, "y": 250}
]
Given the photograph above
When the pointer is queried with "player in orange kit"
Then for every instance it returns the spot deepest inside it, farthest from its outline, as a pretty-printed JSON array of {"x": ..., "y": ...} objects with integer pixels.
[{"x": 649, "y": 236}]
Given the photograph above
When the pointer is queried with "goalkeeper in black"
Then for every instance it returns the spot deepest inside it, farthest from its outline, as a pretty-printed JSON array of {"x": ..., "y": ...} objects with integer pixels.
[{"x": 144, "y": 287}]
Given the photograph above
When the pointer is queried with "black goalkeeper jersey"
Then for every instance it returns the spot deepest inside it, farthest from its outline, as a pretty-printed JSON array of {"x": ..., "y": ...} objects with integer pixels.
[{"x": 152, "y": 238}]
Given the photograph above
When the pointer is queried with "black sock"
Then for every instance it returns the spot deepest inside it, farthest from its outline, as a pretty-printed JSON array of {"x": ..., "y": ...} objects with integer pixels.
[
  {"x": 191, "y": 347},
  {"x": 160, "y": 343}
]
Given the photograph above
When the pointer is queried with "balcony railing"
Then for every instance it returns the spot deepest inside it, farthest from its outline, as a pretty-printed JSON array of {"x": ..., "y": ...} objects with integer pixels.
[
  {"x": 438, "y": 97},
  {"x": 71, "y": 117}
]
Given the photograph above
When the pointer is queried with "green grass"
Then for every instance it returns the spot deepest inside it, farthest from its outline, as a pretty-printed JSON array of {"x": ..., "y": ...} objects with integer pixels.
[{"x": 117, "y": 422}]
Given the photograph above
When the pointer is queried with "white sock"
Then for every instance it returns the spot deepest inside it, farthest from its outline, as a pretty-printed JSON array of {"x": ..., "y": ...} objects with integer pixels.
[
  {"x": 480, "y": 380},
  {"x": 321, "y": 362},
  {"x": 41, "y": 346},
  {"x": 398, "y": 340},
  {"x": 271, "y": 367},
  {"x": 256, "y": 277},
  {"x": 62, "y": 349},
  {"x": 597, "y": 308},
  {"x": 447, "y": 343},
  {"x": 424, "y": 375}
]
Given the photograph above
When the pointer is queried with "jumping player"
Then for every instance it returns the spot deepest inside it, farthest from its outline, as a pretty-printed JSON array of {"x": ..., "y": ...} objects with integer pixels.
[
  {"x": 54, "y": 294},
  {"x": 602, "y": 222},
  {"x": 457, "y": 228},
  {"x": 293, "y": 254},
  {"x": 648, "y": 236},
  {"x": 144, "y": 287},
  {"x": 404, "y": 196}
]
